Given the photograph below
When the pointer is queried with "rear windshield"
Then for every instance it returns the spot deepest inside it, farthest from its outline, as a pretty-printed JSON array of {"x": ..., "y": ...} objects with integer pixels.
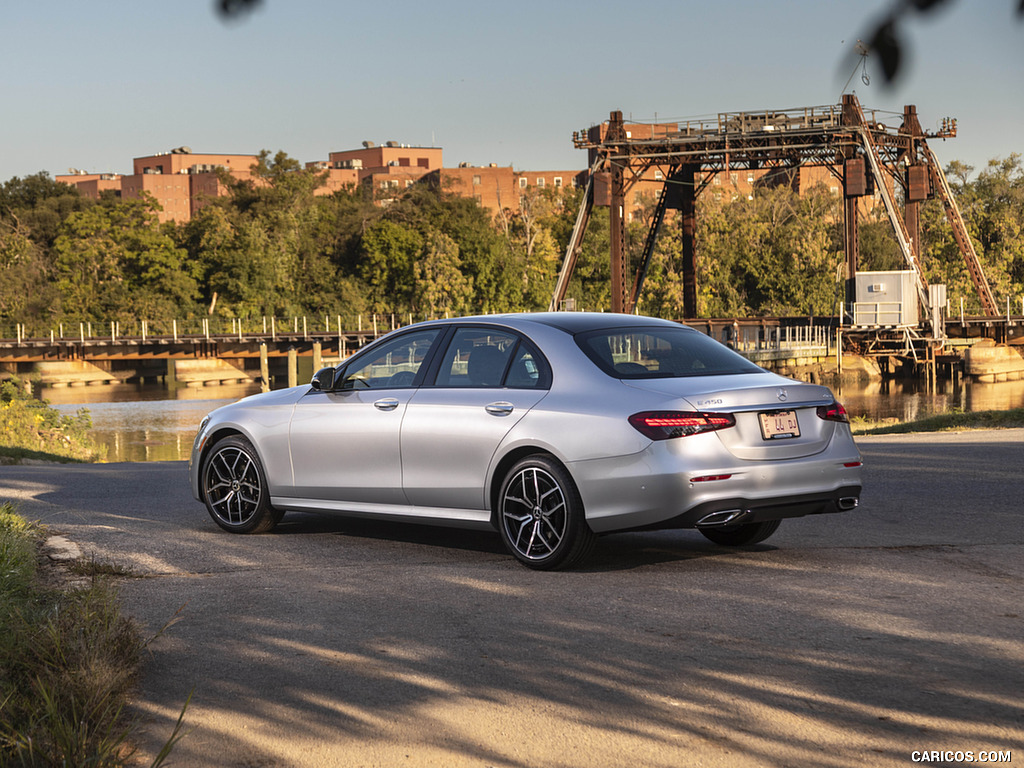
[{"x": 656, "y": 353}]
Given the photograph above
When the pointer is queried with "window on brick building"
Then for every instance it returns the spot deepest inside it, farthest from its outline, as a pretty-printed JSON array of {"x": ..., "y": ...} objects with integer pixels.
[
  {"x": 658, "y": 175},
  {"x": 522, "y": 183},
  {"x": 540, "y": 181},
  {"x": 476, "y": 180},
  {"x": 558, "y": 181}
]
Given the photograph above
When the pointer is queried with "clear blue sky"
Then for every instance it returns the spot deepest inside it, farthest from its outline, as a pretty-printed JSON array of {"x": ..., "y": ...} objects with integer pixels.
[{"x": 93, "y": 83}]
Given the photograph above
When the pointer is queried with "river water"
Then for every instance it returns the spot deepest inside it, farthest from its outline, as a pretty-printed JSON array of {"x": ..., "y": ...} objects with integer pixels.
[{"x": 150, "y": 422}]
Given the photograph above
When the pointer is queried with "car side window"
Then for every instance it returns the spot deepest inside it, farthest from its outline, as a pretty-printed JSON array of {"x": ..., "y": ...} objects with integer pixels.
[
  {"x": 485, "y": 358},
  {"x": 527, "y": 371},
  {"x": 476, "y": 357},
  {"x": 393, "y": 364}
]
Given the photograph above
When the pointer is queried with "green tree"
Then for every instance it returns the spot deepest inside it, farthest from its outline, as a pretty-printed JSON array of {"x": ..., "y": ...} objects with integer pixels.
[
  {"x": 992, "y": 206},
  {"x": 26, "y": 289},
  {"x": 116, "y": 262},
  {"x": 441, "y": 288},
  {"x": 39, "y": 204},
  {"x": 389, "y": 252}
]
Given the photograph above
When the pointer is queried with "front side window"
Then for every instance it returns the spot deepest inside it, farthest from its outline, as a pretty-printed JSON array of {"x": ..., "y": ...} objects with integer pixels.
[
  {"x": 392, "y": 364},
  {"x": 652, "y": 353}
]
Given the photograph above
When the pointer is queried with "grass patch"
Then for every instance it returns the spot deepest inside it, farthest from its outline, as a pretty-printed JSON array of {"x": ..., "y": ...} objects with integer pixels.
[
  {"x": 32, "y": 429},
  {"x": 945, "y": 422},
  {"x": 68, "y": 661}
]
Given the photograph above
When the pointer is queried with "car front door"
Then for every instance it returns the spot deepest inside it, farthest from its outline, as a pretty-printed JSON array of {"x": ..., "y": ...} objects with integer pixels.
[{"x": 345, "y": 443}]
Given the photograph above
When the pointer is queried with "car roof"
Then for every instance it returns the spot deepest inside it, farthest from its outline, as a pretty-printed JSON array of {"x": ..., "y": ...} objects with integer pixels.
[{"x": 580, "y": 322}]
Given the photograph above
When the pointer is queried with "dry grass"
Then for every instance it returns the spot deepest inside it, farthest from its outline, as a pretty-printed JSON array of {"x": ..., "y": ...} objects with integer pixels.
[
  {"x": 68, "y": 662},
  {"x": 945, "y": 422}
]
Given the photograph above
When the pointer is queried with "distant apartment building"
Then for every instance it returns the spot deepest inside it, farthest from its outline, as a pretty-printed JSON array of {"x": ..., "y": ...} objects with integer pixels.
[
  {"x": 92, "y": 184},
  {"x": 387, "y": 168},
  {"x": 182, "y": 181}
]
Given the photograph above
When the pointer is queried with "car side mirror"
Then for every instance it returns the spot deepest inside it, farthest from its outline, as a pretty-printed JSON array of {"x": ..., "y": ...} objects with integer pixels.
[{"x": 323, "y": 380}]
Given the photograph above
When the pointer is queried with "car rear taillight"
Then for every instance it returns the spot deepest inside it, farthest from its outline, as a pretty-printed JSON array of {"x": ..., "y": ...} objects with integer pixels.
[
  {"x": 662, "y": 425},
  {"x": 834, "y": 412}
]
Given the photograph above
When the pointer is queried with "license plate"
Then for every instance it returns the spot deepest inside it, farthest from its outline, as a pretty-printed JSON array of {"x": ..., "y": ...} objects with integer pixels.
[{"x": 776, "y": 425}]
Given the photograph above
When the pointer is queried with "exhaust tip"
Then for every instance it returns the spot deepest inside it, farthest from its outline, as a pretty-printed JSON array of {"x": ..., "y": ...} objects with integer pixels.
[
  {"x": 848, "y": 502},
  {"x": 723, "y": 517}
]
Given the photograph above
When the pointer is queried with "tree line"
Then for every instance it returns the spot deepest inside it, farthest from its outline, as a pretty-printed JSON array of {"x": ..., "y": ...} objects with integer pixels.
[{"x": 273, "y": 248}]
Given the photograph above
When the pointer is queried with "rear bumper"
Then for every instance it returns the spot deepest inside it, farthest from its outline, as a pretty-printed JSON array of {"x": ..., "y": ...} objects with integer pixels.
[
  {"x": 687, "y": 485},
  {"x": 739, "y": 511}
]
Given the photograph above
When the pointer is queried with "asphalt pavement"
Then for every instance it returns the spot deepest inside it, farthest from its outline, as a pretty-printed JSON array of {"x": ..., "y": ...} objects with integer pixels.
[{"x": 864, "y": 638}]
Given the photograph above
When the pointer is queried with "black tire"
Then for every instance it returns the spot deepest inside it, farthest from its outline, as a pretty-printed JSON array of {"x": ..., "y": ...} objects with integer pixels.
[
  {"x": 234, "y": 487},
  {"x": 741, "y": 535},
  {"x": 540, "y": 515}
]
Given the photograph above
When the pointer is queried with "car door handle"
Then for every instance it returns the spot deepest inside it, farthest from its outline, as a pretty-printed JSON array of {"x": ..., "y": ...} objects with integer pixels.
[
  {"x": 386, "y": 404},
  {"x": 499, "y": 409}
]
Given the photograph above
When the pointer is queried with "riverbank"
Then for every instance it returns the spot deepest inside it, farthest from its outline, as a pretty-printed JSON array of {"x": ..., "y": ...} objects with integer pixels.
[
  {"x": 30, "y": 430},
  {"x": 945, "y": 422}
]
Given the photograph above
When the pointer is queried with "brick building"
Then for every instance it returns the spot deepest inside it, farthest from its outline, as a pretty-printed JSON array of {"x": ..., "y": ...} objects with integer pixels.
[
  {"x": 92, "y": 184},
  {"x": 182, "y": 182}
]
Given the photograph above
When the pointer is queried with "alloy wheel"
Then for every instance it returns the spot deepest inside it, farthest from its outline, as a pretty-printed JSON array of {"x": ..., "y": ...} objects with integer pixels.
[
  {"x": 534, "y": 513},
  {"x": 232, "y": 485}
]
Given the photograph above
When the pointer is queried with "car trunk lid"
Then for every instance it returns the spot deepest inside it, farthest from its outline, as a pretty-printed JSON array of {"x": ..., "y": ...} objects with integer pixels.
[{"x": 776, "y": 418}]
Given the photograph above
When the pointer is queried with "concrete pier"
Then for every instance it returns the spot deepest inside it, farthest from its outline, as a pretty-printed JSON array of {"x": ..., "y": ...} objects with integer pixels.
[
  {"x": 989, "y": 362},
  {"x": 205, "y": 372},
  {"x": 73, "y": 373}
]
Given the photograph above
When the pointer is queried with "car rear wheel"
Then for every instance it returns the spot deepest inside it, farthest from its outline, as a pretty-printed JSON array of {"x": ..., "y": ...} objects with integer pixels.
[
  {"x": 540, "y": 515},
  {"x": 741, "y": 535},
  {"x": 235, "y": 489}
]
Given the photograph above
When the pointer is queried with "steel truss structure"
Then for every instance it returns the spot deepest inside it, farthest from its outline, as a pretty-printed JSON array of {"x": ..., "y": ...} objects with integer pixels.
[{"x": 862, "y": 153}]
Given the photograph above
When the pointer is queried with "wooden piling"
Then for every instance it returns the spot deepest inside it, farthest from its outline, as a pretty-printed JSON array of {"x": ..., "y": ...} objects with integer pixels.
[
  {"x": 293, "y": 367},
  {"x": 264, "y": 368}
]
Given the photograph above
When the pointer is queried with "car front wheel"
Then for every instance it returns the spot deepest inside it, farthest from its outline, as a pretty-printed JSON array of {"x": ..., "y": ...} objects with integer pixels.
[
  {"x": 234, "y": 487},
  {"x": 540, "y": 515}
]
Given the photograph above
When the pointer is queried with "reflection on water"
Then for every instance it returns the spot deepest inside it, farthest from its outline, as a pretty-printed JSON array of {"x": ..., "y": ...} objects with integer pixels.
[
  {"x": 909, "y": 400},
  {"x": 139, "y": 423},
  {"x": 149, "y": 422},
  {"x": 119, "y": 393}
]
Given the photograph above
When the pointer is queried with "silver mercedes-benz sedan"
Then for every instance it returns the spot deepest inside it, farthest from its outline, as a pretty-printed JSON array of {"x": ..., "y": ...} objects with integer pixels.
[{"x": 552, "y": 428}]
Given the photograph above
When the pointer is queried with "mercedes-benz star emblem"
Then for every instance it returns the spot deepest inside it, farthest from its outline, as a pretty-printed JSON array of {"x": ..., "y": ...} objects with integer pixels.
[{"x": 782, "y": 395}]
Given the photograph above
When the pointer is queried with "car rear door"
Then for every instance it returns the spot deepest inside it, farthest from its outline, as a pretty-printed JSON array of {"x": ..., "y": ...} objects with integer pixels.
[{"x": 486, "y": 380}]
